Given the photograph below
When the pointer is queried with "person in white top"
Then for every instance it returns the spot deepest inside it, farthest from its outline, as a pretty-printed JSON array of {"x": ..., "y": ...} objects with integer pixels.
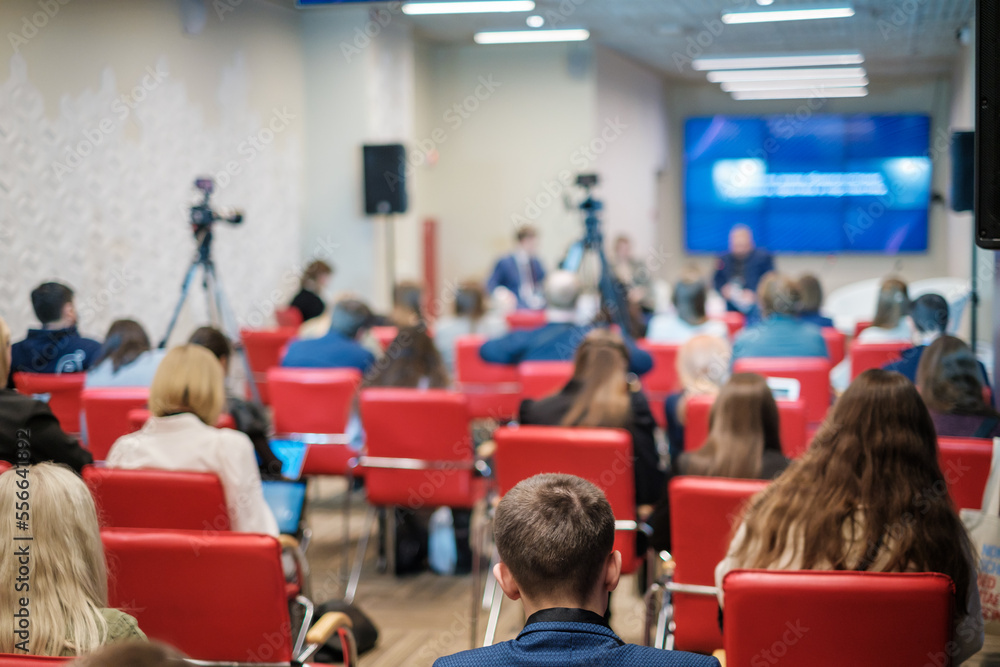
[
  {"x": 688, "y": 319},
  {"x": 185, "y": 399},
  {"x": 891, "y": 325}
]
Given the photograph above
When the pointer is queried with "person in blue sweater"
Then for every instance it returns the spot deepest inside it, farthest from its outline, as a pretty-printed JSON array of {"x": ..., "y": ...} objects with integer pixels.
[
  {"x": 781, "y": 333},
  {"x": 555, "y": 535},
  {"x": 559, "y": 338},
  {"x": 339, "y": 348}
]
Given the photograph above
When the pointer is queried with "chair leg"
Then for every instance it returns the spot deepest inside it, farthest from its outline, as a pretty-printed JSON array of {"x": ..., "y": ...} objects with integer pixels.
[
  {"x": 345, "y": 555},
  {"x": 359, "y": 558},
  {"x": 491, "y": 581},
  {"x": 390, "y": 540},
  {"x": 476, "y": 539},
  {"x": 491, "y": 625}
]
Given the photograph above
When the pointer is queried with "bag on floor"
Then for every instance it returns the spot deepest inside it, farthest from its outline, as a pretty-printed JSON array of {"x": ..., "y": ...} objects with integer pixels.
[
  {"x": 365, "y": 632},
  {"x": 984, "y": 529}
]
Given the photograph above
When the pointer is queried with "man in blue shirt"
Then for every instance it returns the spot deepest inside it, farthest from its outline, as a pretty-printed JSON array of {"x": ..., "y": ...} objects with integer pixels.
[
  {"x": 520, "y": 272},
  {"x": 339, "y": 348},
  {"x": 555, "y": 535},
  {"x": 780, "y": 333},
  {"x": 557, "y": 340},
  {"x": 740, "y": 270},
  {"x": 57, "y": 347}
]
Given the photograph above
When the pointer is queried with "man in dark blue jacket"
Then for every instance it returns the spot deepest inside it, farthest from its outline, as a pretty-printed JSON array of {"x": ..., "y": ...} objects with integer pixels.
[
  {"x": 740, "y": 270},
  {"x": 557, "y": 340},
  {"x": 555, "y": 535},
  {"x": 520, "y": 272},
  {"x": 339, "y": 348},
  {"x": 57, "y": 347}
]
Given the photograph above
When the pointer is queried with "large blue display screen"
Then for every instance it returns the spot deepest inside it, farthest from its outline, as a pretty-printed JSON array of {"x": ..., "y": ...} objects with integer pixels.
[{"x": 825, "y": 184}]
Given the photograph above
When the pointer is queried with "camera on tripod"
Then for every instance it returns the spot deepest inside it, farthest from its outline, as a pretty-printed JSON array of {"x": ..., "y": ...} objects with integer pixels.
[{"x": 203, "y": 215}]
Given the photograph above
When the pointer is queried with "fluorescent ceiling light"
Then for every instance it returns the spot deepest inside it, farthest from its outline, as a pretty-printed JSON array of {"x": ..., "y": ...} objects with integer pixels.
[
  {"x": 789, "y": 60},
  {"x": 800, "y": 74},
  {"x": 817, "y": 92},
  {"x": 786, "y": 14},
  {"x": 749, "y": 86},
  {"x": 475, "y": 7},
  {"x": 525, "y": 36}
]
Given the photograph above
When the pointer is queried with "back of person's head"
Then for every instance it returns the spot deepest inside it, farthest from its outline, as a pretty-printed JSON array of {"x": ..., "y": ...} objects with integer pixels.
[
  {"x": 69, "y": 581},
  {"x": 407, "y": 296},
  {"x": 703, "y": 364},
  {"x": 4, "y": 349},
  {"x": 779, "y": 295},
  {"x": 893, "y": 304},
  {"x": 470, "y": 301},
  {"x": 350, "y": 317},
  {"x": 949, "y": 379},
  {"x": 411, "y": 357},
  {"x": 689, "y": 297},
  {"x": 314, "y": 273},
  {"x": 562, "y": 290},
  {"x": 133, "y": 654},
  {"x": 48, "y": 301},
  {"x": 742, "y": 424},
  {"x": 525, "y": 233},
  {"x": 125, "y": 341},
  {"x": 929, "y": 313},
  {"x": 213, "y": 340},
  {"x": 875, "y": 454},
  {"x": 811, "y": 293},
  {"x": 554, "y": 533},
  {"x": 601, "y": 369},
  {"x": 189, "y": 379}
]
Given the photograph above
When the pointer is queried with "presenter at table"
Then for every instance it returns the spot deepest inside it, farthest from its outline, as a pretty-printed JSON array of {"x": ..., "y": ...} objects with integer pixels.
[{"x": 741, "y": 269}]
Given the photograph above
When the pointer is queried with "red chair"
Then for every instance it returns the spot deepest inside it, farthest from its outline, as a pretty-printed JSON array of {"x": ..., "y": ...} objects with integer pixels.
[
  {"x": 662, "y": 380},
  {"x": 264, "y": 348},
  {"x": 965, "y": 463},
  {"x": 860, "y": 326},
  {"x": 791, "y": 415},
  {"x": 385, "y": 335},
  {"x": 543, "y": 378},
  {"x": 836, "y": 344},
  {"x": 831, "y": 619},
  {"x": 5, "y": 466},
  {"x": 734, "y": 322},
  {"x": 18, "y": 660},
  {"x": 874, "y": 355},
  {"x": 288, "y": 318},
  {"x": 106, "y": 410},
  {"x": 157, "y": 499},
  {"x": 493, "y": 390},
  {"x": 215, "y": 597},
  {"x": 520, "y": 320},
  {"x": 704, "y": 512},
  {"x": 138, "y": 417},
  {"x": 813, "y": 374},
  {"x": 64, "y": 394},
  {"x": 313, "y": 405}
]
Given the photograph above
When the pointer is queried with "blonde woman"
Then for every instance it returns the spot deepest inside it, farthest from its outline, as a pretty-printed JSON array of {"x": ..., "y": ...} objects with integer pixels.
[
  {"x": 29, "y": 432},
  {"x": 185, "y": 400},
  {"x": 67, "y": 586},
  {"x": 702, "y": 368}
]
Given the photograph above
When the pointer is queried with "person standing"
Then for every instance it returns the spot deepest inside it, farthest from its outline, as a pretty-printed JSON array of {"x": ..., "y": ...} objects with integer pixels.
[
  {"x": 309, "y": 300},
  {"x": 521, "y": 273},
  {"x": 740, "y": 270}
]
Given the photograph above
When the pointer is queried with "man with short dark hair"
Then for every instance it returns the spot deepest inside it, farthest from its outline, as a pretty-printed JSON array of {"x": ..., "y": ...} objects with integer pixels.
[
  {"x": 520, "y": 272},
  {"x": 57, "y": 347},
  {"x": 339, "y": 348},
  {"x": 555, "y": 535}
]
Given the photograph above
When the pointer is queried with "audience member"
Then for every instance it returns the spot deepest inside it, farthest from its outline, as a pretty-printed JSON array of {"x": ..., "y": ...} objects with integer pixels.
[
  {"x": 470, "y": 318},
  {"x": 688, "y": 319},
  {"x": 780, "y": 333},
  {"x": 56, "y": 347},
  {"x": 412, "y": 361},
  {"x": 339, "y": 348},
  {"x": 249, "y": 417},
  {"x": 133, "y": 654},
  {"x": 406, "y": 305},
  {"x": 126, "y": 359},
  {"x": 559, "y": 338},
  {"x": 29, "y": 432},
  {"x": 186, "y": 398},
  {"x": 744, "y": 442},
  {"x": 68, "y": 614},
  {"x": 848, "y": 503},
  {"x": 520, "y": 273},
  {"x": 555, "y": 536},
  {"x": 890, "y": 323},
  {"x": 309, "y": 300},
  {"x": 632, "y": 274},
  {"x": 600, "y": 395},
  {"x": 951, "y": 383},
  {"x": 812, "y": 301},
  {"x": 702, "y": 368},
  {"x": 741, "y": 269}
]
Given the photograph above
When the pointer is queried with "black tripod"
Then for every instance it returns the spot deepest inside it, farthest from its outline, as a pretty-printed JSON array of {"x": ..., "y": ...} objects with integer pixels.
[{"x": 219, "y": 312}]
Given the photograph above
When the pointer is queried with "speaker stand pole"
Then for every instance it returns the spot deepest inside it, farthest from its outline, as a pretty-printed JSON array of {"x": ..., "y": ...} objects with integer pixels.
[{"x": 390, "y": 257}]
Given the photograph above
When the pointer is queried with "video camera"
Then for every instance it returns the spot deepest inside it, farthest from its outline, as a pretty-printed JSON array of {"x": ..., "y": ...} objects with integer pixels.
[{"x": 202, "y": 215}]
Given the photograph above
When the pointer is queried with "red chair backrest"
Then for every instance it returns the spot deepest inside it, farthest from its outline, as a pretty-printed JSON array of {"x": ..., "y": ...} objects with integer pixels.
[
  {"x": 836, "y": 344},
  {"x": 138, "y": 417},
  {"x": 831, "y": 619},
  {"x": 874, "y": 355},
  {"x": 860, "y": 326},
  {"x": 525, "y": 319},
  {"x": 493, "y": 390},
  {"x": 543, "y": 378},
  {"x": 10, "y": 660},
  {"x": 288, "y": 318},
  {"x": 385, "y": 335},
  {"x": 734, "y": 321},
  {"x": 431, "y": 425},
  {"x": 600, "y": 455},
  {"x": 792, "y": 425},
  {"x": 704, "y": 512},
  {"x": 64, "y": 394},
  {"x": 662, "y": 380},
  {"x": 157, "y": 499},
  {"x": 5, "y": 466},
  {"x": 264, "y": 348},
  {"x": 813, "y": 374},
  {"x": 107, "y": 411},
  {"x": 965, "y": 463},
  {"x": 212, "y": 596}
]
